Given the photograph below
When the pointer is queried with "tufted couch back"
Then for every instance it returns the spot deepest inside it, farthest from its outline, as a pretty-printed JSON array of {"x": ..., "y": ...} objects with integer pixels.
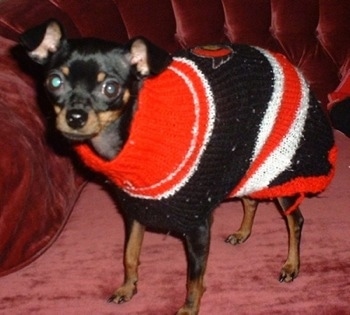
[{"x": 313, "y": 34}]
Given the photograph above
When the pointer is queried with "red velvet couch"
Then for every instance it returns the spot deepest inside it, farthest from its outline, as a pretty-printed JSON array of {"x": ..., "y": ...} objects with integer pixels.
[{"x": 39, "y": 183}]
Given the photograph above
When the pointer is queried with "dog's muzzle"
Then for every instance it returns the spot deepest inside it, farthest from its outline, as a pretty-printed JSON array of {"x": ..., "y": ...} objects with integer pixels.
[{"x": 76, "y": 118}]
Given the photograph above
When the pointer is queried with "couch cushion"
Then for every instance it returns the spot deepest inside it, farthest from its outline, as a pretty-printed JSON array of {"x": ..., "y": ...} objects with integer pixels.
[{"x": 38, "y": 187}]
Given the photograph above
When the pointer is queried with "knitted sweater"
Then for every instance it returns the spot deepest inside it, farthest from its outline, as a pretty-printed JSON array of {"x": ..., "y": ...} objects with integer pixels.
[{"x": 219, "y": 122}]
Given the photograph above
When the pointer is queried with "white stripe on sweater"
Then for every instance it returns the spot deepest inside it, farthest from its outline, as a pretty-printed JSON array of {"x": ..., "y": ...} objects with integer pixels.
[
  {"x": 274, "y": 104},
  {"x": 209, "y": 126},
  {"x": 281, "y": 157}
]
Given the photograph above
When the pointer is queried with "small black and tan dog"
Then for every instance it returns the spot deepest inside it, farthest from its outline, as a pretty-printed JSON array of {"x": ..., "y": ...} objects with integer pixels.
[{"x": 179, "y": 134}]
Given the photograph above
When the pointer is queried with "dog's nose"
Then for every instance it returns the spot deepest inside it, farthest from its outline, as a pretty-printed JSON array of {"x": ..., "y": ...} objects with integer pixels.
[{"x": 76, "y": 118}]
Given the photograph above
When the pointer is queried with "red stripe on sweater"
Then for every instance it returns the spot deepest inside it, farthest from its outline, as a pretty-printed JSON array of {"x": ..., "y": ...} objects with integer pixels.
[
  {"x": 300, "y": 185},
  {"x": 284, "y": 119},
  {"x": 167, "y": 136}
]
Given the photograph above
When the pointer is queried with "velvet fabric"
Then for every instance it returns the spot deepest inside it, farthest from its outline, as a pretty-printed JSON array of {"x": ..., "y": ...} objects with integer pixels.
[
  {"x": 313, "y": 34},
  {"x": 39, "y": 184},
  {"x": 38, "y": 187}
]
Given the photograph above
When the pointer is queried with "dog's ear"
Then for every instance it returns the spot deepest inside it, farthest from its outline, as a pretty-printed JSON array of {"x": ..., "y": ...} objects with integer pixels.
[
  {"x": 43, "y": 40},
  {"x": 148, "y": 58}
]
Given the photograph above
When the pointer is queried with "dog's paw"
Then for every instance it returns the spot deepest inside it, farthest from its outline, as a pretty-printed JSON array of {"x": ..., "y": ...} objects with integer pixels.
[
  {"x": 123, "y": 294},
  {"x": 237, "y": 238},
  {"x": 288, "y": 273},
  {"x": 186, "y": 311}
]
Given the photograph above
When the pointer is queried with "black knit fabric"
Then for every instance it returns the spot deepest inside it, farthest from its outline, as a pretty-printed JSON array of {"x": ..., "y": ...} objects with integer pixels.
[{"x": 242, "y": 88}]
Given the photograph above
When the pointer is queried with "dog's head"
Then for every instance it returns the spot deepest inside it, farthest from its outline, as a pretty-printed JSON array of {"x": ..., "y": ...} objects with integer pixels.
[{"x": 91, "y": 82}]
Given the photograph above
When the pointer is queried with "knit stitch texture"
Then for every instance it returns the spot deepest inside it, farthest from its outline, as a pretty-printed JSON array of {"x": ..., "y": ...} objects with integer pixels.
[{"x": 238, "y": 122}]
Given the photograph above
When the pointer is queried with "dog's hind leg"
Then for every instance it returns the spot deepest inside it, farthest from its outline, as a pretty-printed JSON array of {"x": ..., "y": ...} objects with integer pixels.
[
  {"x": 295, "y": 222},
  {"x": 134, "y": 237},
  {"x": 197, "y": 244},
  {"x": 249, "y": 208}
]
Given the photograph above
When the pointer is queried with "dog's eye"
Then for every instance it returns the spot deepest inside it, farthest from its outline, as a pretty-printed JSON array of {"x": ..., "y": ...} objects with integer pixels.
[
  {"x": 54, "y": 82},
  {"x": 111, "y": 88}
]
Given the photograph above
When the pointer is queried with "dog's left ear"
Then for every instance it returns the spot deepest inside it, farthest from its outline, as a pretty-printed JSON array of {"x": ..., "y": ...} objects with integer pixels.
[
  {"x": 148, "y": 58},
  {"x": 43, "y": 40}
]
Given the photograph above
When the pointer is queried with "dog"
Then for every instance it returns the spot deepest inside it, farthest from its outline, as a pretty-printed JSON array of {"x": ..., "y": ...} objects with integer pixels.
[{"x": 235, "y": 122}]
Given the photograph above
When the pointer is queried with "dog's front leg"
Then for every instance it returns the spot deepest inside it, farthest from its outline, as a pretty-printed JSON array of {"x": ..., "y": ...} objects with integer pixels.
[
  {"x": 295, "y": 220},
  {"x": 134, "y": 237},
  {"x": 197, "y": 249}
]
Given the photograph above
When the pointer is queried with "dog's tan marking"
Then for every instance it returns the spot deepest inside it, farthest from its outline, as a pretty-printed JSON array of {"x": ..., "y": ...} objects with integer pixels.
[
  {"x": 290, "y": 269},
  {"x": 65, "y": 70},
  {"x": 295, "y": 220},
  {"x": 96, "y": 121},
  {"x": 131, "y": 263},
  {"x": 57, "y": 109},
  {"x": 195, "y": 291},
  {"x": 126, "y": 96},
  {"x": 101, "y": 77},
  {"x": 105, "y": 118},
  {"x": 61, "y": 123},
  {"x": 243, "y": 233},
  {"x": 91, "y": 128}
]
